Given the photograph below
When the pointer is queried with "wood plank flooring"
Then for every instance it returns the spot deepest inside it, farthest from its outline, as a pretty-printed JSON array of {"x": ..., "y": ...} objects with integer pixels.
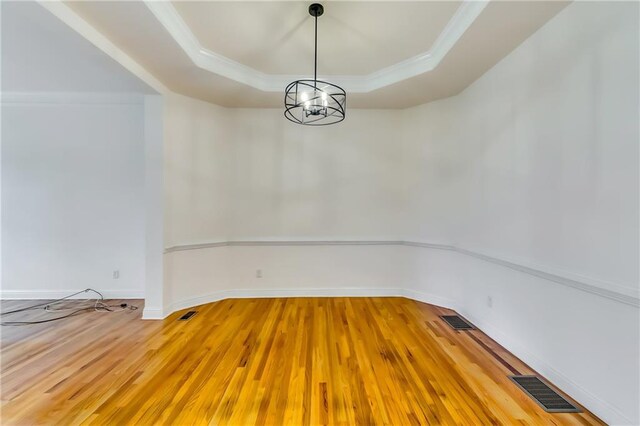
[{"x": 294, "y": 361}]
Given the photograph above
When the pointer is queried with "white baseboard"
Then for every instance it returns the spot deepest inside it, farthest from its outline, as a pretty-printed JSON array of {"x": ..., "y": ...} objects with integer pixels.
[
  {"x": 599, "y": 407},
  {"x": 58, "y": 294},
  {"x": 298, "y": 292},
  {"x": 152, "y": 314},
  {"x": 431, "y": 299}
]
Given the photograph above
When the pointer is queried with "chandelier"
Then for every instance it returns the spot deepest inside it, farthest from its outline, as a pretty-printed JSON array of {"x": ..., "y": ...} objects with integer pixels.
[{"x": 314, "y": 102}]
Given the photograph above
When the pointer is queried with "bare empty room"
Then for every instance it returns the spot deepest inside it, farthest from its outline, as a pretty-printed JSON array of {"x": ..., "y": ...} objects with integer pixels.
[{"x": 339, "y": 213}]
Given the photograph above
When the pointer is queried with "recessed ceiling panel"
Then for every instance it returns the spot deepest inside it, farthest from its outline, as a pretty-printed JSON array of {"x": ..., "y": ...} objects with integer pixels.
[
  {"x": 353, "y": 37},
  {"x": 286, "y": 26}
]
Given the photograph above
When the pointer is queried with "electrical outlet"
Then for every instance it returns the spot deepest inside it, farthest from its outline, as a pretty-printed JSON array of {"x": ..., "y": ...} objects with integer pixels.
[
  {"x": 490, "y": 301},
  {"x": 116, "y": 275},
  {"x": 258, "y": 273}
]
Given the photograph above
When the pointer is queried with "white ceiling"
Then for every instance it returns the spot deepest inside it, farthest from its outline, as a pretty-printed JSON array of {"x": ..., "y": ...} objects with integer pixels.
[
  {"x": 386, "y": 54},
  {"x": 42, "y": 54},
  {"x": 353, "y": 38}
]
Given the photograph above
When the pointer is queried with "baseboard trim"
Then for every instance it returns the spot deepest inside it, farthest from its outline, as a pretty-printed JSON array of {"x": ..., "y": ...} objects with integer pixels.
[
  {"x": 600, "y": 288},
  {"x": 598, "y": 406},
  {"x": 429, "y": 298},
  {"x": 152, "y": 314},
  {"x": 260, "y": 294},
  {"x": 58, "y": 294},
  {"x": 217, "y": 296}
]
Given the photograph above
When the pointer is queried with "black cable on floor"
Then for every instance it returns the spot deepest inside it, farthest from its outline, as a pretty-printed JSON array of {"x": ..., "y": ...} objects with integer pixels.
[
  {"x": 12, "y": 323},
  {"x": 98, "y": 306},
  {"x": 49, "y": 303}
]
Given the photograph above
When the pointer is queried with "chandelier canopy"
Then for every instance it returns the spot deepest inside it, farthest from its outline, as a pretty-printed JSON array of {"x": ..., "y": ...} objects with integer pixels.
[{"x": 314, "y": 102}]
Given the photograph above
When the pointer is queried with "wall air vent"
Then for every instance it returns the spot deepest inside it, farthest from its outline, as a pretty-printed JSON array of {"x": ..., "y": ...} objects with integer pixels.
[
  {"x": 187, "y": 316},
  {"x": 547, "y": 398},
  {"x": 457, "y": 322}
]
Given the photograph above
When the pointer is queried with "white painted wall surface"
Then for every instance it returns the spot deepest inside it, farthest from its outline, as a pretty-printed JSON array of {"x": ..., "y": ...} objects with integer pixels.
[
  {"x": 233, "y": 175},
  {"x": 41, "y": 53},
  {"x": 293, "y": 182},
  {"x": 584, "y": 343},
  {"x": 215, "y": 273},
  {"x": 154, "y": 288},
  {"x": 537, "y": 163},
  {"x": 72, "y": 195},
  {"x": 198, "y": 164},
  {"x": 236, "y": 174}
]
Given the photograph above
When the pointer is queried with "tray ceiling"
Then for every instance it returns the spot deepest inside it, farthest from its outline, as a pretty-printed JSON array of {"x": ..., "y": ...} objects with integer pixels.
[
  {"x": 353, "y": 38},
  {"x": 386, "y": 54}
]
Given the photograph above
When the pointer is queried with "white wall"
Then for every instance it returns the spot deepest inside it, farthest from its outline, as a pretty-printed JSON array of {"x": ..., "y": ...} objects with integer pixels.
[
  {"x": 541, "y": 152},
  {"x": 213, "y": 273},
  {"x": 537, "y": 163},
  {"x": 154, "y": 294},
  {"x": 198, "y": 163},
  {"x": 41, "y": 53},
  {"x": 235, "y": 174},
  {"x": 532, "y": 172},
  {"x": 340, "y": 182},
  {"x": 250, "y": 175},
  {"x": 72, "y": 195},
  {"x": 585, "y": 344}
]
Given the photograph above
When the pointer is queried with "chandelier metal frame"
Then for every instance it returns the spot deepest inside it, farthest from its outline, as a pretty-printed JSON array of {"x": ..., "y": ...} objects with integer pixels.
[{"x": 315, "y": 102}]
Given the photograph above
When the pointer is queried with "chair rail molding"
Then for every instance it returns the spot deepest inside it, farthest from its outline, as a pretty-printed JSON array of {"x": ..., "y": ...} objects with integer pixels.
[{"x": 601, "y": 288}]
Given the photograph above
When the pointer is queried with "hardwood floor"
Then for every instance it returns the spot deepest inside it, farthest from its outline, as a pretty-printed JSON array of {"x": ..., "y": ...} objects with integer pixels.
[{"x": 297, "y": 361}]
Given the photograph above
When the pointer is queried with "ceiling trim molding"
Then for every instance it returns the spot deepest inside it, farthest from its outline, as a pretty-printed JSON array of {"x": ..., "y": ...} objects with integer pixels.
[
  {"x": 86, "y": 30},
  {"x": 213, "y": 62}
]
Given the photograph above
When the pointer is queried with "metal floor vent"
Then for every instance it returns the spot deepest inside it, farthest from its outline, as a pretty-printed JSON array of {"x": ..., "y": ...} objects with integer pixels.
[
  {"x": 187, "y": 316},
  {"x": 547, "y": 398},
  {"x": 457, "y": 322}
]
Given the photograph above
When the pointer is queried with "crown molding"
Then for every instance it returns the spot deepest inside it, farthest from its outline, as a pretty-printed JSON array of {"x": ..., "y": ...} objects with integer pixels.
[
  {"x": 213, "y": 62},
  {"x": 461, "y": 20}
]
